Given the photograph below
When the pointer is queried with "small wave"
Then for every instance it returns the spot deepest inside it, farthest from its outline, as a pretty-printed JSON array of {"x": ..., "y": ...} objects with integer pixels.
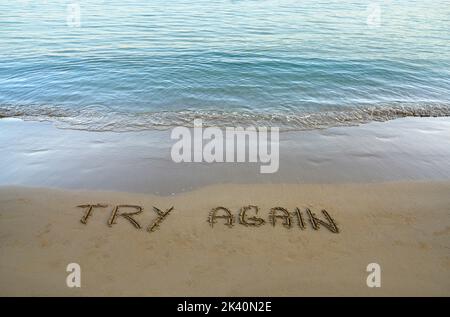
[{"x": 101, "y": 118}]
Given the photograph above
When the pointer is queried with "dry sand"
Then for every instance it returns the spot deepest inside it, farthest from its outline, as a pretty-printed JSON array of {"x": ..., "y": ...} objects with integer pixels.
[{"x": 404, "y": 226}]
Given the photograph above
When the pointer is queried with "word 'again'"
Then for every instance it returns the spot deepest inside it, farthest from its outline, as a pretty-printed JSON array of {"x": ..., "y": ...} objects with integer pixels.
[{"x": 276, "y": 214}]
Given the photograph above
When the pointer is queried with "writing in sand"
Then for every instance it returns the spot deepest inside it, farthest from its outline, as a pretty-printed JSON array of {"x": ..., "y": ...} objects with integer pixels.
[{"x": 247, "y": 216}]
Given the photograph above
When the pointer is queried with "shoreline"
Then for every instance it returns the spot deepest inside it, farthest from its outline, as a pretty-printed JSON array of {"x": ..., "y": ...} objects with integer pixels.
[
  {"x": 110, "y": 119},
  {"x": 403, "y": 226}
]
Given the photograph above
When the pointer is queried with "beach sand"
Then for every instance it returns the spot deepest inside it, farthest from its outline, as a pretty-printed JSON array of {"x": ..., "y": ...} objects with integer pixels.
[
  {"x": 386, "y": 185},
  {"x": 404, "y": 227},
  {"x": 39, "y": 154}
]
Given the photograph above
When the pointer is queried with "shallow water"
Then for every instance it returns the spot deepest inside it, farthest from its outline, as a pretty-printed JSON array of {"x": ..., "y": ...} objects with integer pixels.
[{"x": 153, "y": 64}]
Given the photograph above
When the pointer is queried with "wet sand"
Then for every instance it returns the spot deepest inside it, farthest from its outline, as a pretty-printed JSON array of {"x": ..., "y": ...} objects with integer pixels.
[{"x": 39, "y": 154}]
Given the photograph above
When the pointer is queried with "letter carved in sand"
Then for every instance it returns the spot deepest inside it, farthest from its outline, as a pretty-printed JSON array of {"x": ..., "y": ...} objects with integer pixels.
[
  {"x": 316, "y": 222},
  {"x": 89, "y": 209},
  {"x": 161, "y": 216},
  {"x": 127, "y": 215},
  {"x": 250, "y": 221},
  {"x": 285, "y": 216},
  {"x": 227, "y": 216}
]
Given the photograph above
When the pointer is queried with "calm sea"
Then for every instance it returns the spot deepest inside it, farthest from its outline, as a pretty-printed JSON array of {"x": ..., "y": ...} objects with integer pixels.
[{"x": 144, "y": 64}]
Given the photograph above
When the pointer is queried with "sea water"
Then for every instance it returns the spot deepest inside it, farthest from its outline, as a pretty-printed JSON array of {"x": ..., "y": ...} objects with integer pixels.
[{"x": 145, "y": 64}]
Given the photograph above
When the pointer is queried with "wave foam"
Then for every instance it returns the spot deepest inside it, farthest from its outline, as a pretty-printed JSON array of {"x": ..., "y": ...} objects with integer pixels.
[{"x": 101, "y": 118}]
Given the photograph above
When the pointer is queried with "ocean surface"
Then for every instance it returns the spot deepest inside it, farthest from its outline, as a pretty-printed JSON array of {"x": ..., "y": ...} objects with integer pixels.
[{"x": 140, "y": 64}]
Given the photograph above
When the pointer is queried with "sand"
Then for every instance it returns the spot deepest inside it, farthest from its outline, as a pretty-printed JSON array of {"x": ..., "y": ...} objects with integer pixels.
[
  {"x": 402, "y": 226},
  {"x": 39, "y": 154},
  {"x": 385, "y": 184}
]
